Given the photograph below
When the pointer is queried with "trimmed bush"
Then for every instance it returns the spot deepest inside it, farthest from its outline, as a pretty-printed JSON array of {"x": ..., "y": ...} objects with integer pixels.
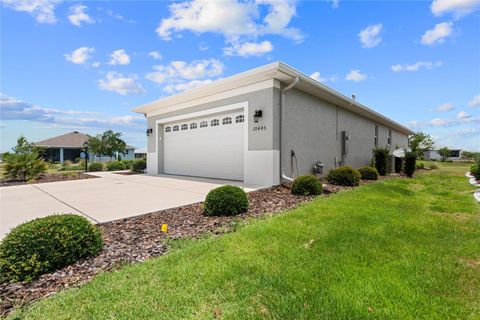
[
  {"x": 344, "y": 176},
  {"x": 433, "y": 166},
  {"x": 225, "y": 201},
  {"x": 67, "y": 163},
  {"x": 381, "y": 159},
  {"x": 23, "y": 166},
  {"x": 115, "y": 166},
  {"x": 368, "y": 173},
  {"x": 475, "y": 168},
  {"x": 420, "y": 165},
  {"x": 410, "y": 164},
  {"x": 398, "y": 165},
  {"x": 127, "y": 164},
  {"x": 47, "y": 244},
  {"x": 95, "y": 166},
  {"x": 306, "y": 186},
  {"x": 139, "y": 165}
]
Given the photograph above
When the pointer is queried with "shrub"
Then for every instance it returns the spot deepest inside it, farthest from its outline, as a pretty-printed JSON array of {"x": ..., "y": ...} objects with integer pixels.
[
  {"x": 23, "y": 166},
  {"x": 95, "y": 166},
  {"x": 475, "y": 169},
  {"x": 115, "y": 166},
  {"x": 67, "y": 163},
  {"x": 139, "y": 165},
  {"x": 226, "y": 200},
  {"x": 368, "y": 173},
  {"x": 70, "y": 168},
  {"x": 398, "y": 165},
  {"x": 344, "y": 176},
  {"x": 420, "y": 165},
  {"x": 410, "y": 163},
  {"x": 433, "y": 166},
  {"x": 46, "y": 244},
  {"x": 127, "y": 164},
  {"x": 306, "y": 186},
  {"x": 381, "y": 160}
]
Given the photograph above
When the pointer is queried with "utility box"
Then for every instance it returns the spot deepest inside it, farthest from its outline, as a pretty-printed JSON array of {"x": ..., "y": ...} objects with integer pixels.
[{"x": 344, "y": 140}]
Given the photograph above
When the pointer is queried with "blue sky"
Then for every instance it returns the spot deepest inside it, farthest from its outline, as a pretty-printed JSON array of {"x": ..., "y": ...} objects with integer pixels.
[{"x": 84, "y": 65}]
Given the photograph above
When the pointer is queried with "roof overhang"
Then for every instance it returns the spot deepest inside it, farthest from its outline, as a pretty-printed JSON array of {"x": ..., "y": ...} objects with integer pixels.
[{"x": 278, "y": 71}]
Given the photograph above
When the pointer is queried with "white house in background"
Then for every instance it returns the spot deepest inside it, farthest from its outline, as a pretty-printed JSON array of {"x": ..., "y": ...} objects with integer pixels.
[
  {"x": 69, "y": 146},
  {"x": 455, "y": 154}
]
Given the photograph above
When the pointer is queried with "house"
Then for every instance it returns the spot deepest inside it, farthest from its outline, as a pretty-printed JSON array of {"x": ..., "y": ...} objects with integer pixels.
[
  {"x": 141, "y": 153},
  {"x": 434, "y": 155},
  {"x": 263, "y": 126},
  {"x": 69, "y": 146}
]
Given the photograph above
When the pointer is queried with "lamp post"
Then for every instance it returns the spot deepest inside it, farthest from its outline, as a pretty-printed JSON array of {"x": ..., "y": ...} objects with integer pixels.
[{"x": 86, "y": 157}]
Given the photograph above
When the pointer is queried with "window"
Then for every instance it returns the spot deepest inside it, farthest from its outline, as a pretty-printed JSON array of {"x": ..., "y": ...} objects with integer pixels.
[
  {"x": 214, "y": 123},
  {"x": 193, "y": 125},
  {"x": 389, "y": 139},
  {"x": 175, "y": 128},
  {"x": 168, "y": 129},
  {"x": 126, "y": 151},
  {"x": 203, "y": 124},
  {"x": 376, "y": 136},
  {"x": 239, "y": 118},
  {"x": 184, "y": 126},
  {"x": 227, "y": 120}
]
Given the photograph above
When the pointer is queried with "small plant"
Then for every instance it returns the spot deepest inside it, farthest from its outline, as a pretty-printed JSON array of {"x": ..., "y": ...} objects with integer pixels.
[
  {"x": 381, "y": 159},
  {"x": 225, "y": 201},
  {"x": 67, "y": 163},
  {"x": 420, "y": 166},
  {"x": 475, "y": 168},
  {"x": 47, "y": 244},
  {"x": 139, "y": 165},
  {"x": 433, "y": 166},
  {"x": 344, "y": 176},
  {"x": 306, "y": 186},
  {"x": 115, "y": 166},
  {"x": 368, "y": 173},
  {"x": 23, "y": 166},
  {"x": 410, "y": 163},
  {"x": 127, "y": 164},
  {"x": 95, "y": 166}
]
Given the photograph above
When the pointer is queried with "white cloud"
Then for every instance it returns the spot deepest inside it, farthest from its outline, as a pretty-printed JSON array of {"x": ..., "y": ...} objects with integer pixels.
[
  {"x": 173, "y": 88},
  {"x": 237, "y": 21},
  {"x": 356, "y": 75},
  {"x": 317, "y": 76},
  {"x": 463, "y": 115},
  {"x": 437, "y": 34},
  {"x": 78, "y": 16},
  {"x": 80, "y": 55},
  {"x": 370, "y": 36},
  {"x": 42, "y": 10},
  {"x": 458, "y": 8},
  {"x": 155, "y": 55},
  {"x": 119, "y": 57},
  {"x": 248, "y": 49},
  {"x": 416, "y": 66},
  {"x": 475, "y": 102},
  {"x": 96, "y": 64},
  {"x": 438, "y": 122},
  {"x": 114, "y": 15},
  {"x": 445, "y": 107},
  {"x": 121, "y": 84},
  {"x": 178, "y": 71},
  {"x": 335, "y": 4}
]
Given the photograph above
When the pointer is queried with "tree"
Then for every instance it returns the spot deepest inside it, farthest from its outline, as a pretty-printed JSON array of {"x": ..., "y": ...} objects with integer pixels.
[
  {"x": 108, "y": 144},
  {"x": 468, "y": 155},
  {"x": 24, "y": 146},
  {"x": 444, "y": 153},
  {"x": 420, "y": 142}
]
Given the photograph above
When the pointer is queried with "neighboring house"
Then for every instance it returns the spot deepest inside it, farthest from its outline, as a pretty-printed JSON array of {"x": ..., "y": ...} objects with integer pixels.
[
  {"x": 69, "y": 146},
  {"x": 141, "y": 153},
  {"x": 434, "y": 155},
  {"x": 259, "y": 126}
]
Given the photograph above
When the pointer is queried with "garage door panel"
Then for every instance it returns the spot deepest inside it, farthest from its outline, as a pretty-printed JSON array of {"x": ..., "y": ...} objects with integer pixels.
[{"x": 215, "y": 152}]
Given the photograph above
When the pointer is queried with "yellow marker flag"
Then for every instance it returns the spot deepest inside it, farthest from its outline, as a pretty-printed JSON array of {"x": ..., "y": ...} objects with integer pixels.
[{"x": 164, "y": 227}]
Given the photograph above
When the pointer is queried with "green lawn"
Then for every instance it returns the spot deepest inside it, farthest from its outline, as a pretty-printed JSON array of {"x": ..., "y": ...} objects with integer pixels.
[{"x": 398, "y": 249}]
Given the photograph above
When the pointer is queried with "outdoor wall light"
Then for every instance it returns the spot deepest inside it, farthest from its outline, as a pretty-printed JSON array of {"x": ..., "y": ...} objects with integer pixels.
[
  {"x": 149, "y": 130},
  {"x": 257, "y": 115}
]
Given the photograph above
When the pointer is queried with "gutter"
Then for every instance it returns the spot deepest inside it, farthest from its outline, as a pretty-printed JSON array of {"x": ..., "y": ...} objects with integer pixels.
[{"x": 282, "y": 126}]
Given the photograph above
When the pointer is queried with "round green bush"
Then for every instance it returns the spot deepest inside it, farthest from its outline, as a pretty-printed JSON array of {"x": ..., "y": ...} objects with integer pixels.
[
  {"x": 115, "y": 166},
  {"x": 139, "y": 165},
  {"x": 344, "y": 176},
  {"x": 127, "y": 164},
  {"x": 95, "y": 166},
  {"x": 368, "y": 173},
  {"x": 47, "y": 244},
  {"x": 225, "y": 201},
  {"x": 306, "y": 186}
]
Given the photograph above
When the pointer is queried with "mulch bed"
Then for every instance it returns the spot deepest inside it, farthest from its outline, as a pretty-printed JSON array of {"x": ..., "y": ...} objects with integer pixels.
[
  {"x": 139, "y": 238},
  {"x": 49, "y": 177},
  {"x": 128, "y": 173}
]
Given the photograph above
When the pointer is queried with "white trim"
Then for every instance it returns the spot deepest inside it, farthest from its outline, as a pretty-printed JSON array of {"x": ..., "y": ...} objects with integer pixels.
[{"x": 203, "y": 113}]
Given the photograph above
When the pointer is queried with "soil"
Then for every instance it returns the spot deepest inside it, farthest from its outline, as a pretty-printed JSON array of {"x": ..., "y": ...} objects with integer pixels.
[
  {"x": 128, "y": 173},
  {"x": 48, "y": 177}
]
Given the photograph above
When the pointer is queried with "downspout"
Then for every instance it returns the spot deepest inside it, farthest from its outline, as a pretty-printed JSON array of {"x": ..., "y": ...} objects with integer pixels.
[{"x": 282, "y": 127}]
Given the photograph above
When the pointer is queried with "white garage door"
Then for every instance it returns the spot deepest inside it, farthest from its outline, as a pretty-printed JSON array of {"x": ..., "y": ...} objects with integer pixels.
[{"x": 206, "y": 147}]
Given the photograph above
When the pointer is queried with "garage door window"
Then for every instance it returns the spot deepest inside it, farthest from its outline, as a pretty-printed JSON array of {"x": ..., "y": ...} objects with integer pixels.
[
  {"x": 193, "y": 125},
  {"x": 203, "y": 124},
  {"x": 214, "y": 123},
  {"x": 175, "y": 128},
  {"x": 227, "y": 120},
  {"x": 239, "y": 118},
  {"x": 184, "y": 126},
  {"x": 168, "y": 129}
]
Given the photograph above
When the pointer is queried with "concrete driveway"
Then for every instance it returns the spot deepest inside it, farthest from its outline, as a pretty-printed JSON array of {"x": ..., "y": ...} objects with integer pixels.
[{"x": 110, "y": 197}]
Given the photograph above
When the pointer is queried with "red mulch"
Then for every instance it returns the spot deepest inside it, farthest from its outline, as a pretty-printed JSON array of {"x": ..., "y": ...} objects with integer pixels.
[{"x": 49, "y": 177}]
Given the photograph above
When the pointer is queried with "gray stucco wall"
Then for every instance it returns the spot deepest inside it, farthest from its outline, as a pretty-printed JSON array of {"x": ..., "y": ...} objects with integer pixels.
[
  {"x": 258, "y": 140},
  {"x": 313, "y": 130}
]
